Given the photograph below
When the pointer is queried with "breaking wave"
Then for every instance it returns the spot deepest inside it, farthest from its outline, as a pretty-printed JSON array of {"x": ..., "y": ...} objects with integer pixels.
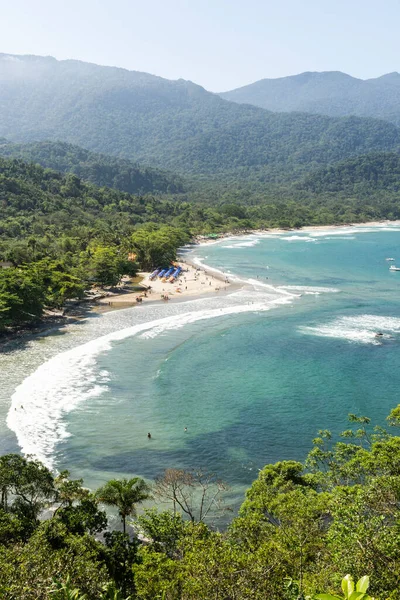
[
  {"x": 60, "y": 385},
  {"x": 361, "y": 329}
]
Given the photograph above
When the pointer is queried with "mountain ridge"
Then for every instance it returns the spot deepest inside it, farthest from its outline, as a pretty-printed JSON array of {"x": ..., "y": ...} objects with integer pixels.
[
  {"x": 173, "y": 125},
  {"x": 332, "y": 93}
]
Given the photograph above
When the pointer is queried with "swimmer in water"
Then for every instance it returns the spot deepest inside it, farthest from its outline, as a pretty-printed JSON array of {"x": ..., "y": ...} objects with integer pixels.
[
  {"x": 185, "y": 430},
  {"x": 149, "y": 435}
]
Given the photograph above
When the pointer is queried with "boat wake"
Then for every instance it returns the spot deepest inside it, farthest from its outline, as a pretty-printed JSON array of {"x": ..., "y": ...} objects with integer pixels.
[{"x": 361, "y": 329}]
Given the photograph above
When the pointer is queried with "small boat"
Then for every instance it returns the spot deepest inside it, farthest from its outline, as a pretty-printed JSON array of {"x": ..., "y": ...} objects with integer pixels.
[
  {"x": 391, "y": 259},
  {"x": 393, "y": 268}
]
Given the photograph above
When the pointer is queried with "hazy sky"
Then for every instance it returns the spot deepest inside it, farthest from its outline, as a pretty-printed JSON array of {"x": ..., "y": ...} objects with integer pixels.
[{"x": 220, "y": 44}]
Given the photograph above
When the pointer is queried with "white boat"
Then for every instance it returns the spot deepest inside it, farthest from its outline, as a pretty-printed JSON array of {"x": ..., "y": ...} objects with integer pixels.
[
  {"x": 390, "y": 259},
  {"x": 393, "y": 268}
]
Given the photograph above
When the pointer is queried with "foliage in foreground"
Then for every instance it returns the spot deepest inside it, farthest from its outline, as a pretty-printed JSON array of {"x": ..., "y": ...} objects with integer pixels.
[{"x": 299, "y": 529}]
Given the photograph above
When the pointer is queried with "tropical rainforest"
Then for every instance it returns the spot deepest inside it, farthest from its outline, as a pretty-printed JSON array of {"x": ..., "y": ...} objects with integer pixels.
[{"x": 301, "y": 528}]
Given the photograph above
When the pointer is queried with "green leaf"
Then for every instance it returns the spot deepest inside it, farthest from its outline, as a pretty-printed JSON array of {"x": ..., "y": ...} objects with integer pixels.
[
  {"x": 347, "y": 585},
  {"x": 357, "y": 596},
  {"x": 326, "y": 597},
  {"x": 362, "y": 584}
]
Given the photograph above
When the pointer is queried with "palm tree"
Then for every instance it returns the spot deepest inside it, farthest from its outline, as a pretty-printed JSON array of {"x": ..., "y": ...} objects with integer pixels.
[{"x": 124, "y": 494}]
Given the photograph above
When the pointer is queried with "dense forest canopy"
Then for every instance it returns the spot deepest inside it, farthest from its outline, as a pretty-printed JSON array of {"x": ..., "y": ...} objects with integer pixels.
[
  {"x": 172, "y": 124},
  {"x": 329, "y": 93},
  {"x": 363, "y": 176},
  {"x": 102, "y": 170}
]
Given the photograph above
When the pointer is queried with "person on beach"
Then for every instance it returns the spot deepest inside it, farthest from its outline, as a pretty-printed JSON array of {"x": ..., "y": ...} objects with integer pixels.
[{"x": 149, "y": 435}]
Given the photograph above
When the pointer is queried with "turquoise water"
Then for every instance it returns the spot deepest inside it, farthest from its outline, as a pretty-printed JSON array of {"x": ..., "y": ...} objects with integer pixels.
[{"x": 252, "y": 374}]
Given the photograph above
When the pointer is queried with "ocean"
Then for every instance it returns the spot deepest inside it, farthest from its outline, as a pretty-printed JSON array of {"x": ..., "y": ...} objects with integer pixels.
[{"x": 252, "y": 374}]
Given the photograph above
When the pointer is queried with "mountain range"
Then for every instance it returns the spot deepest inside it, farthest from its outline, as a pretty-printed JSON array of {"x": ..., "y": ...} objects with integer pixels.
[
  {"x": 330, "y": 93},
  {"x": 174, "y": 125}
]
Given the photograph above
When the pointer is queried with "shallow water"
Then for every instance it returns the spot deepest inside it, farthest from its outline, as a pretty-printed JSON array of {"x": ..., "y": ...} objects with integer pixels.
[{"x": 252, "y": 374}]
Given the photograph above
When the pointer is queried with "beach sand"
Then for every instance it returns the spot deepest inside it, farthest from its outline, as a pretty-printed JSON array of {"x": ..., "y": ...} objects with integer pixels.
[{"x": 193, "y": 281}]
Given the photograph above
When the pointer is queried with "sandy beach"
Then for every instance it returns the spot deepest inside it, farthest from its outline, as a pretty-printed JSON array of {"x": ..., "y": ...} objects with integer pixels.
[{"x": 193, "y": 281}]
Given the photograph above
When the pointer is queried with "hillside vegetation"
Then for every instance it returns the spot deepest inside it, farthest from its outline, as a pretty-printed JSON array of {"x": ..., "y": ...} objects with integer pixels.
[
  {"x": 363, "y": 176},
  {"x": 329, "y": 93},
  {"x": 102, "y": 170},
  {"x": 300, "y": 529},
  {"x": 172, "y": 124}
]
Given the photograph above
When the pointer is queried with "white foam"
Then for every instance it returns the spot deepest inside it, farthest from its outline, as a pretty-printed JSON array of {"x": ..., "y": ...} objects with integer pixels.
[
  {"x": 360, "y": 329},
  {"x": 311, "y": 290},
  {"x": 248, "y": 244},
  {"x": 297, "y": 238},
  {"x": 340, "y": 237},
  {"x": 389, "y": 228},
  {"x": 61, "y": 384},
  {"x": 337, "y": 232},
  {"x": 258, "y": 284},
  {"x": 199, "y": 261}
]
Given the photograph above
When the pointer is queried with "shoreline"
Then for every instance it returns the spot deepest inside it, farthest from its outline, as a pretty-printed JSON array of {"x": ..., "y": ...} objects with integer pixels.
[
  {"x": 204, "y": 239},
  {"x": 120, "y": 299},
  {"x": 200, "y": 282},
  {"x": 194, "y": 281}
]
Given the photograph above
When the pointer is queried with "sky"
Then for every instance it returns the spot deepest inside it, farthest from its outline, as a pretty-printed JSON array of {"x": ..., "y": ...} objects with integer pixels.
[{"x": 219, "y": 44}]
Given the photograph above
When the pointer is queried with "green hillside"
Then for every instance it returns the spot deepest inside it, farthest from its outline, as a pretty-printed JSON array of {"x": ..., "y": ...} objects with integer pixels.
[
  {"x": 97, "y": 168},
  {"x": 362, "y": 176},
  {"x": 172, "y": 124},
  {"x": 329, "y": 93}
]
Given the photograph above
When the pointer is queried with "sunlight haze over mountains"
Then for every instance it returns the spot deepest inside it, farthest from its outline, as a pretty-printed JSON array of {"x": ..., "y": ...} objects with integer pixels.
[{"x": 221, "y": 45}]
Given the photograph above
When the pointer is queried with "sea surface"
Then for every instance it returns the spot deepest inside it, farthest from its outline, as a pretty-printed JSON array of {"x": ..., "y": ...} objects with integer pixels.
[{"x": 252, "y": 374}]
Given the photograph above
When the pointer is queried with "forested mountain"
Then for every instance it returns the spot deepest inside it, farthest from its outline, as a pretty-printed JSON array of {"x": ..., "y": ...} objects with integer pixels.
[
  {"x": 172, "y": 124},
  {"x": 361, "y": 176},
  {"x": 100, "y": 169},
  {"x": 329, "y": 93}
]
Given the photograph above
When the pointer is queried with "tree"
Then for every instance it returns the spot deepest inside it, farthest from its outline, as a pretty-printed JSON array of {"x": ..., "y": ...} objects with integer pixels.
[
  {"x": 164, "y": 529},
  {"x": 157, "y": 246},
  {"x": 107, "y": 265},
  {"x": 21, "y": 297},
  {"x": 196, "y": 493},
  {"x": 124, "y": 494},
  {"x": 121, "y": 555},
  {"x": 30, "y": 483},
  {"x": 27, "y": 570}
]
